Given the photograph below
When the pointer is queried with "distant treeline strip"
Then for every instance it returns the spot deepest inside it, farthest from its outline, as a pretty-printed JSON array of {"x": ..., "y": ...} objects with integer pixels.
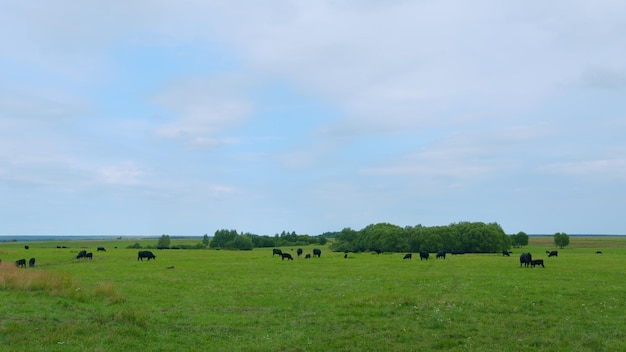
[{"x": 468, "y": 237}]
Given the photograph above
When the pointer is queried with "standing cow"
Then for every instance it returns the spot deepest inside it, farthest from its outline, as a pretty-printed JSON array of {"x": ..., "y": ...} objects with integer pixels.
[
  {"x": 277, "y": 251},
  {"x": 20, "y": 263},
  {"x": 317, "y": 252},
  {"x": 287, "y": 255},
  {"x": 536, "y": 262},
  {"x": 101, "y": 249},
  {"x": 145, "y": 254},
  {"x": 525, "y": 259},
  {"x": 553, "y": 254},
  {"x": 299, "y": 251},
  {"x": 31, "y": 262},
  {"x": 424, "y": 255},
  {"x": 81, "y": 254},
  {"x": 441, "y": 254}
]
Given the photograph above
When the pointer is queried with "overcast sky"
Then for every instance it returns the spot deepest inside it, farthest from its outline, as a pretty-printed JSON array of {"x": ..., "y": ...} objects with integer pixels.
[{"x": 185, "y": 117}]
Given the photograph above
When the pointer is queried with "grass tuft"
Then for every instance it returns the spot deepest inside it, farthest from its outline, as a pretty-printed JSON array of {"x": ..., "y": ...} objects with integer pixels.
[{"x": 106, "y": 290}]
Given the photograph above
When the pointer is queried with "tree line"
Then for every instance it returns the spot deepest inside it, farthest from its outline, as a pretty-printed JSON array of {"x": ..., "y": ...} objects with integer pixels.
[
  {"x": 468, "y": 237},
  {"x": 231, "y": 239}
]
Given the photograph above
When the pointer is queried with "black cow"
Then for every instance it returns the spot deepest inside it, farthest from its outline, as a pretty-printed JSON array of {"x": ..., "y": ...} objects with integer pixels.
[
  {"x": 317, "y": 252},
  {"x": 424, "y": 255},
  {"x": 598, "y": 252},
  {"x": 145, "y": 254},
  {"x": 26, "y": 247},
  {"x": 525, "y": 259},
  {"x": 299, "y": 251},
  {"x": 378, "y": 250},
  {"x": 441, "y": 254},
  {"x": 287, "y": 255},
  {"x": 31, "y": 262},
  {"x": 101, "y": 249},
  {"x": 408, "y": 256},
  {"x": 506, "y": 253},
  {"x": 20, "y": 263},
  {"x": 81, "y": 254},
  {"x": 553, "y": 254},
  {"x": 89, "y": 256},
  {"x": 307, "y": 256},
  {"x": 536, "y": 262},
  {"x": 276, "y": 251},
  {"x": 345, "y": 255}
]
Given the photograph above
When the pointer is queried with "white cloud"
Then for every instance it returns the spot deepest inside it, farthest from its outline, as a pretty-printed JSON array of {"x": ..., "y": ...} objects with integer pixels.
[
  {"x": 125, "y": 173},
  {"x": 202, "y": 110}
]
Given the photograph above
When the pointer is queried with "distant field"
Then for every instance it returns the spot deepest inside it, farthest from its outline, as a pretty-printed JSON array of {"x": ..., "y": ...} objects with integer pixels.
[{"x": 192, "y": 300}]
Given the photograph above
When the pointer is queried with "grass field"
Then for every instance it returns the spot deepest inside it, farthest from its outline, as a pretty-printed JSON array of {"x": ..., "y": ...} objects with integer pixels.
[{"x": 207, "y": 300}]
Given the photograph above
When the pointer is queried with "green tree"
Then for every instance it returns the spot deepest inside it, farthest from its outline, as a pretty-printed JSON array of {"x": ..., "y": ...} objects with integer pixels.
[
  {"x": 243, "y": 242},
  {"x": 519, "y": 240},
  {"x": 223, "y": 238},
  {"x": 205, "y": 240},
  {"x": 561, "y": 239},
  {"x": 164, "y": 241}
]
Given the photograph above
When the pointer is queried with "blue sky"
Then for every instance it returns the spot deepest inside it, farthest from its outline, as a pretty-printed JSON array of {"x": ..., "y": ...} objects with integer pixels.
[{"x": 160, "y": 117}]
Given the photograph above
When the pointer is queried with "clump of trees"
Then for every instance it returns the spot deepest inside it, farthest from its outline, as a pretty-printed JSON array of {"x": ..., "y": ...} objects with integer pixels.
[
  {"x": 519, "y": 240},
  {"x": 231, "y": 239},
  {"x": 469, "y": 237},
  {"x": 561, "y": 239}
]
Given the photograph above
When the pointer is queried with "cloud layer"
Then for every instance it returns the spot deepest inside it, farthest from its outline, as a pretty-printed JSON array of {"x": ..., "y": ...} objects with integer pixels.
[{"x": 152, "y": 117}]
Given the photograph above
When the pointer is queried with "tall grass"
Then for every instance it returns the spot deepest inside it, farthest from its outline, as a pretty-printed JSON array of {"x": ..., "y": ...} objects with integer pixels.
[{"x": 22, "y": 279}]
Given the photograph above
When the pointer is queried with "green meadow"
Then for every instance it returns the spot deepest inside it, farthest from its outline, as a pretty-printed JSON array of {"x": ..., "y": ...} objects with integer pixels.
[{"x": 211, "y": 300}]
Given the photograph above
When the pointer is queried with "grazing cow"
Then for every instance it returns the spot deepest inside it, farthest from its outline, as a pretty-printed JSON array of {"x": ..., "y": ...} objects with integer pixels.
[
  {"x": 525, "y": 259},
  {"x": 553, "y": 254},
  {"x": 441, "y": 254},
  {"x": 456, "y": 251},
  {"x": 536, "y": 262},
  {"x": 424, "y": 255},
  {"x": 307, "y": 256},
  {"x": 299, "y": 251},
  {"x": 317, "y": 252},
  {"x": 288, "y": 256},
  {"x": 101, "y": 249},
  {"x": 81, "y": 254},
  {"x": 145, "y": 254},
  {"x": 276, "y": 251},
  {"x": 20, "y": 263},
  {"x": 506, "y": 253},
  {"x": 378, "y": 250},
  {"x": 31, "y": 262},
  {"x": 408, "y": 256},
  {"x": 26, "y": 247},
  {"x": 89, "y": 256},
  {"x": 598, "y": 252}
]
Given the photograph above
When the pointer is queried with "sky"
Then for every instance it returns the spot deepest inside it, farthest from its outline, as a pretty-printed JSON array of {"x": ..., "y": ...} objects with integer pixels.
[{"x": 186, "y": 117}]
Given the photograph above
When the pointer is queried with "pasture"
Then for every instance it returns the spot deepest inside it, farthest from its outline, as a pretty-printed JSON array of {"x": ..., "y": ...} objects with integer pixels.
[{"x": 191, "y": 300}]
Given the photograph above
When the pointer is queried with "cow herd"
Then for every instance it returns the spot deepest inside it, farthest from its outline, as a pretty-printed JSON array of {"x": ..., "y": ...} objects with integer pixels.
[
  {"x": 83, "y": 255},
  {"x": 316, "y": 253},
  {"x": 526, "y": 259}
]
